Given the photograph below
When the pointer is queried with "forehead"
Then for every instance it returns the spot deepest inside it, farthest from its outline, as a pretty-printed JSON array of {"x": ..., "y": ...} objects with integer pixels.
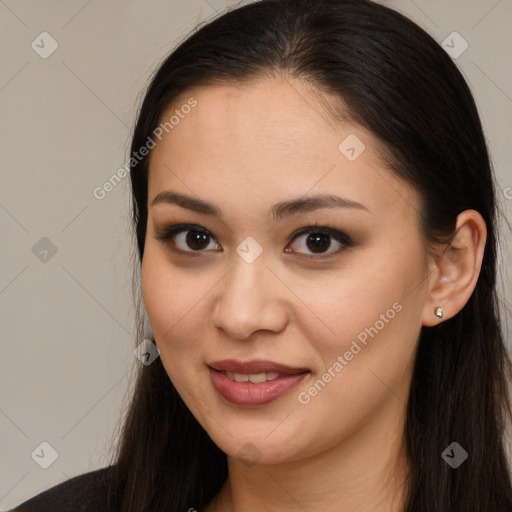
[
  {"x": 266, "y": 141},
  {"x": 271, "y": 113}
]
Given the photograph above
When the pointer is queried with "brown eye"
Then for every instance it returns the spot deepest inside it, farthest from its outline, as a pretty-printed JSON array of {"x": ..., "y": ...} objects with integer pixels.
[
  {"x": 196, "y": 240},
  {"x": 185, "y": 238},
  {"x": 319, "y": 240}
]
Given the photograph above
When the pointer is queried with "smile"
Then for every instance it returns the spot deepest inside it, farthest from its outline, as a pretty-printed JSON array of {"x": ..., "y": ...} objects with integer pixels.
[{"x": 254, "y": 389}]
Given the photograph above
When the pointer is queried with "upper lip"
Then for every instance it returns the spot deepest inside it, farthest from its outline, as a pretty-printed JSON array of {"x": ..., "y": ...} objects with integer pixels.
[{"x": 254, "y": 366}]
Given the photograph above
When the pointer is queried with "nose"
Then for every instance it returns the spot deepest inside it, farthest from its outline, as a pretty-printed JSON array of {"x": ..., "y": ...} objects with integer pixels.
[{"x": 250, "y": 298}]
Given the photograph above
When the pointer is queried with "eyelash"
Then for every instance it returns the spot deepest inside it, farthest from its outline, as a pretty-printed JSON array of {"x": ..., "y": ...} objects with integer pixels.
[{"x": 167, "y": 234}]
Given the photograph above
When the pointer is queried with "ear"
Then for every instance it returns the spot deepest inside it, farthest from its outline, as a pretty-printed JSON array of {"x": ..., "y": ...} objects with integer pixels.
[{"x": 455, "y": 269}]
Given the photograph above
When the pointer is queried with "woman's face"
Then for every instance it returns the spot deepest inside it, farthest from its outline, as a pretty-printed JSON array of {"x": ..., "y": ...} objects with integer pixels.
[{"x": 342, "y": 314}]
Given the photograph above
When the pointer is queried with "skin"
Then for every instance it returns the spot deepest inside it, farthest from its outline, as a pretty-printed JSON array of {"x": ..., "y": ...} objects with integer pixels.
[{"x": 342, "y": 451}]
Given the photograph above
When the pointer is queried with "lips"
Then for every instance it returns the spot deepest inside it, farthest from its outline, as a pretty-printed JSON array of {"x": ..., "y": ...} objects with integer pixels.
[{"x": 254, "y": 383}]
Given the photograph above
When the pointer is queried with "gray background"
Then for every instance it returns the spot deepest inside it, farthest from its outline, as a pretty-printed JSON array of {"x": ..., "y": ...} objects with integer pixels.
[{"x": 67, "y": 324}]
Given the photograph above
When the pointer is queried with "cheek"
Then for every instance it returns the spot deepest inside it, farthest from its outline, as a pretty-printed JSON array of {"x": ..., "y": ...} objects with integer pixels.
[
  {"x": 342, "y": 306},
  {"x": 365, "y": 365},
  {"x": 366, "y": 329},
  {"x": 156, "y": 286},
  {"x": 173, "y": 299}
]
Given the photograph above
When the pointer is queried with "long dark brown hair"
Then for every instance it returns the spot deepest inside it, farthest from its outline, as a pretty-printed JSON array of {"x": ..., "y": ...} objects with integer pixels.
[{"x": 403, "y": 87}]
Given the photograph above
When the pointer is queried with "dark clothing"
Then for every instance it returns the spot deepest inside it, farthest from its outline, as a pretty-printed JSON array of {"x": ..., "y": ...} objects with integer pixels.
[{"x": 83, "y": 493}]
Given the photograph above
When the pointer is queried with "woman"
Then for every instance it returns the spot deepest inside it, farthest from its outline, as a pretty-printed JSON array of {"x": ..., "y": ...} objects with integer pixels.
[{"x": 314, "y": 210}]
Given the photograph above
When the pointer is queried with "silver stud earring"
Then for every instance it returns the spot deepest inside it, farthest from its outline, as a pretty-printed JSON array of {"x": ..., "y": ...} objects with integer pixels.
[{"x": 439, "y": 312}]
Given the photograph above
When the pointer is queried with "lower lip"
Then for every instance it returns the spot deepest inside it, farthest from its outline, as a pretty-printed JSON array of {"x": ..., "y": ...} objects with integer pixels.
[{"x": 249, "y": 393}]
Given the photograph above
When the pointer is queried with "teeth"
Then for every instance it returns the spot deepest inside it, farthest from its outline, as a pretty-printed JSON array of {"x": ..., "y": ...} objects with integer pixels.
[{"x": 255, "y": 378}]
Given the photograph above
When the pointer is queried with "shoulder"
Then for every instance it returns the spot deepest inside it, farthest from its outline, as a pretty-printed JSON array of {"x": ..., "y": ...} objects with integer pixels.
[{"x": 83, "y": 493}]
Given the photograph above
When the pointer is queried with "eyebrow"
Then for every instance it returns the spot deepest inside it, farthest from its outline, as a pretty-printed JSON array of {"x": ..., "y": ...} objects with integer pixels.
[{"x": 278, "y": 211}]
